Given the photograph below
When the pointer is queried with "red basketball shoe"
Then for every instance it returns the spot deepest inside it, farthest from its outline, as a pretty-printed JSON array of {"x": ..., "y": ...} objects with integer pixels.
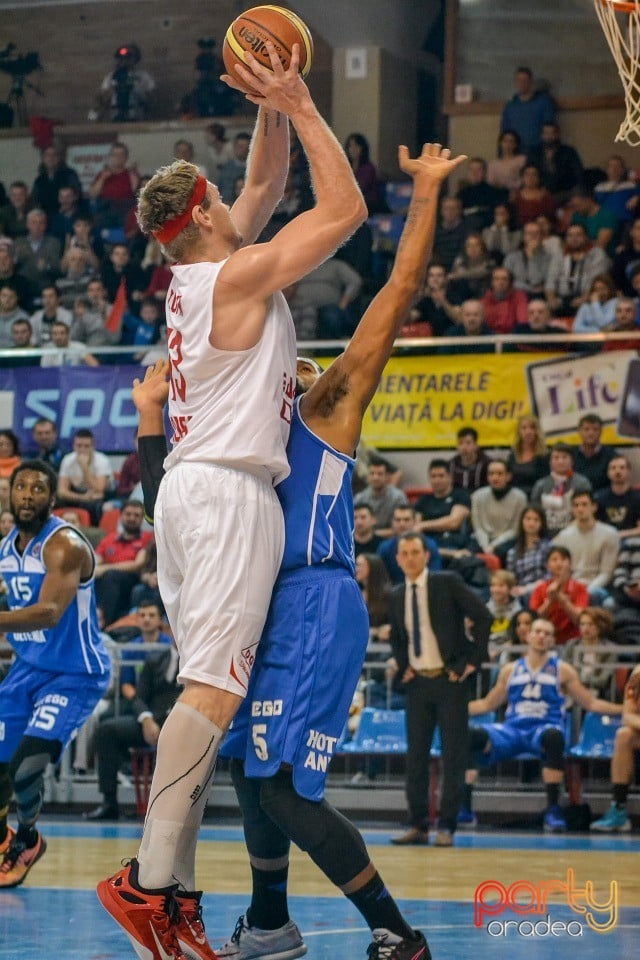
[
  {"x": 190, "y": 931},
  {"x": 148, "y": 917}
]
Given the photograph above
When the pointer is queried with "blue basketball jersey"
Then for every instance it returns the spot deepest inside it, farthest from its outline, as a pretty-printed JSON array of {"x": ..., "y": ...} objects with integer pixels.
[
  {"x": 74, "y": 645},
  {"x": 317, "y": 501},
  {"x": 535, "y": 697}
]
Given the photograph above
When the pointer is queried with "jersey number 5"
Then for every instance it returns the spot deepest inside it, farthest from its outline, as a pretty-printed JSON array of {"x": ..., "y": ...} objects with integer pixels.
[{"x": 259, "y": 742}]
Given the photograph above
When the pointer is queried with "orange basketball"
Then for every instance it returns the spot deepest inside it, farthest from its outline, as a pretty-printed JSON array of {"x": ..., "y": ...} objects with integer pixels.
[{"x": 254, "y": 27}]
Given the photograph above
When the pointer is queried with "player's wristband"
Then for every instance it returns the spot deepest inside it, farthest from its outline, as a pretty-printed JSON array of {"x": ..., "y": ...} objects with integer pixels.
[{"x": 145, "y": 715}]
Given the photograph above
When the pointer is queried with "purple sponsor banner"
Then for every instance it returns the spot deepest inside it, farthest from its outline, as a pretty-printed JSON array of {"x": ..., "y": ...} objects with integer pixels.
[{"x": 96, "y": 398}]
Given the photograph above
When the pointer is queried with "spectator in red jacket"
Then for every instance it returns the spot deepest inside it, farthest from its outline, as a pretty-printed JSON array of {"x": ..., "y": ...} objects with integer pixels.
[
  {"x": 561, "y": 599},
  {"x": 504, "y": 306},
  {"x": 121, "y": 557}
]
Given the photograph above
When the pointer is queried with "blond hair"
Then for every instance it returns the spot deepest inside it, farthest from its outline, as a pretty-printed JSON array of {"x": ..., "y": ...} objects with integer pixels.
[
  {"x": 541, "y": 443},
  {"x": 503, "y": 576},
  {"x": 165, "y": 197}
]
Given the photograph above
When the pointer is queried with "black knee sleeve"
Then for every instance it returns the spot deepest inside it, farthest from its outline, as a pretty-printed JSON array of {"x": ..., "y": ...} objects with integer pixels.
[
  {"x": 553, "y": 746},
  {"x": 478, "y": 740},
  {"x": 6, "y": 789},
  {"x": 264, "y": 840},
  {"x": 332, "y": 842},
  {"x": 26, "y": 769}
]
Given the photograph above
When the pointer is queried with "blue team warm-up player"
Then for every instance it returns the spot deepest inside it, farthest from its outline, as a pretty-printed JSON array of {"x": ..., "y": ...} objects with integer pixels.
[
  {"x": 61, "y": 667},
  {"x": 311, "y": 653}
]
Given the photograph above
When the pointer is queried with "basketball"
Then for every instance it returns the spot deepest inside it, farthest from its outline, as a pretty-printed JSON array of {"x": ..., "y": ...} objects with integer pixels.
[{"x": 254, "y": 27}]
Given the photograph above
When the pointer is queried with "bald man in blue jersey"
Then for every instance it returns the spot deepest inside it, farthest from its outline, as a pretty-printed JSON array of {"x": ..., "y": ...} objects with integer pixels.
[{"x": 284, "y": 735}]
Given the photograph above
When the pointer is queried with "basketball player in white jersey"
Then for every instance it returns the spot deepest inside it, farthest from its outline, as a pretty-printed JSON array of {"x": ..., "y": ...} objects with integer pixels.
[{"x": 219, "y": 525}]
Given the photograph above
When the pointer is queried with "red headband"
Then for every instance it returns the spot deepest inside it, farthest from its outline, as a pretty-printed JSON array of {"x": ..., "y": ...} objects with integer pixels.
[{"x": 169, "y": 230}]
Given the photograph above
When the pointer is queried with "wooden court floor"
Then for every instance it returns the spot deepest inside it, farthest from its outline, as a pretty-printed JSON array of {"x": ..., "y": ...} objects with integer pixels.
[{"x": 56, "y": 914}]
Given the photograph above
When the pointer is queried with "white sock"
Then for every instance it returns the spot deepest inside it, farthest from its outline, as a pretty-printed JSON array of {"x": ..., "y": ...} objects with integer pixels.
[{"x": 187, "y": 752}]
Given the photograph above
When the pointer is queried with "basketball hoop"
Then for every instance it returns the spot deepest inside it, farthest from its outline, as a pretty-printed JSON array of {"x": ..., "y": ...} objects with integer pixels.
[{"x": 620, "y": 21}]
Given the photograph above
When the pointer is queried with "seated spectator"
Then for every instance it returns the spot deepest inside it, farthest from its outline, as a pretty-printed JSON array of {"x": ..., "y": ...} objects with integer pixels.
[
  {"x": 595, "y": 668},
  {"x": 43, "y": 320},
  {"x": 593, "y": 546},
  {"x": 624, "y": 321},
  {"x": 235, "y": 167},
  {"x": 121, "y": 558},
  {"x": 373, "y": 580},
  {"x": 471, "y": 270},
  {"x": 6, "y": 521},
  {"x": 540, "y": 321},
  {"x": 93, "y": 534},
  {"x": 502, "y": 237},
  {"x": 443, "y": 514},
  {"x": 156, "y": 266},
  {"x": 320, "y": 301},
  {"x": 126, "y": 90},
  {"x": 503, "y": 607},
  {"x": 53, "y": 175},
  {"x": 550, "y": 239},
  {"x": 156, "y": 693},
  {"x": 114, "y": 189},
  {"x": 159, "y": 351},
  {"x": 404, "y": 521},
  {"x": 529, "y": 266},
  {"x": 601, "y": 225},
  {"x": 439, "y": 305},
  {"x": 47, "y": 444},
  {"x": 219, "y": 149},
  {"x": 496, "y": 510},
  {"x": 5, "y": 495},
  {"x": 619, "y": 502},
  {"x": 37, "y": 254},
  {"x": 90, "y": 315},
  {"x": 478, "y": 197},
  {"x": 13, "y": 216},
  {"x": 469, "y": 465},
  {"x": 120, "y": 267},
  {"x": 571, "y": 274},
  {"x": 626, "y": 591},
  {"x": 535, "y": 717},
  {"x": 357, "y": 150},
  {"x": 559, "y": 164},
  {"x": 21, "y": 337},
  {"x": 553, "y": 493},
  {"x": 380, "y": 496},
  {"x": 518, "y": 631},
  {"x": 623, "y": 762},
  {"x": 365, "y": 539},
  {"x": 62, "y": 351},
  {"x": 74, "y": 283},
  {"x": 142, "y": 331},
  {"x": 147, "y": 591},
  {"x": 560, "y": 598},
  {"x": 85, "y": 477},
  {"x": 450, "y": 232},
  {"x": 472, "y": 324},
  {"x": 70, "y": 209},
  {"x": 599, "y": 310},
  {"x": 149, "y": 619},
  {"x": 591, "y": 457},
  {"x": 626, "y": 260},
  {"x": 10, "y": 278},
  {"x": 365, "y": 455},
  {"x": 82, "y": 237},
  {"x": 532, "y": 200},
  {"x": 506, "y": 170},
  {"x": 528, "y": 111},
  {"x": 504, "y": 306},
  {"x": 10, "y": 312},
  {"x": 618, "y": 194},
  {"x": 10, "y": 456},
  {"x": 527, "y": 558}
]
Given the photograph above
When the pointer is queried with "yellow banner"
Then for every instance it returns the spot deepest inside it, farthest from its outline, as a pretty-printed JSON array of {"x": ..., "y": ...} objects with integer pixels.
[{"x": 421, "y": 402}]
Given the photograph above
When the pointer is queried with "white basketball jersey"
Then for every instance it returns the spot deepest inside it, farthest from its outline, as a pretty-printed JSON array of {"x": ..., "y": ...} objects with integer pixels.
[{"x": 227, "y": 407}]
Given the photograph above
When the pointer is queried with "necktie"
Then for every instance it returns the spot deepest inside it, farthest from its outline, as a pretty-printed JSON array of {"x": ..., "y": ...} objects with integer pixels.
[{"x": 415, "y": 616}]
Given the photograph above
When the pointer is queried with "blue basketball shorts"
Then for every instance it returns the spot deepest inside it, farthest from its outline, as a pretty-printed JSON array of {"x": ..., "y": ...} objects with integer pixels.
[
  {"x": 38, "y": 703},
  {"x": 308, "y": 664},
  {"x": 508, "y": 740}
]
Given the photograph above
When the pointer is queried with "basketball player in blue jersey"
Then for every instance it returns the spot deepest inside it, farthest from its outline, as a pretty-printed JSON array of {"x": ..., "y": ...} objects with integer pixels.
[
  {"x": 312, "y": 649},
  {"x": 61, "y": 667},
  {"x": 534, "y": 688}
]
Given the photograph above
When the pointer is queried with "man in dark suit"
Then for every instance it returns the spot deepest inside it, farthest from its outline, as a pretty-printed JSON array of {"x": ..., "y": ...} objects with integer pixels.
[{"x": 436, "y": 653}]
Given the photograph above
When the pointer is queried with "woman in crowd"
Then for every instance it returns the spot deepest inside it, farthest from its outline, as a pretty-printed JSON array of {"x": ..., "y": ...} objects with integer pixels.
[
  {"x": 528, "y": 460},
  {"x": 473, "y": 266},
  {"x": 550, "y": 239},
  {"x": 357, "y": 150},
  {"x": 373, "y": 578},
  {"x": 600, "y": 309},
  {"x": 502, "y": 236},
  {"x": 532, "y": 199},
  {"x": 595, "y": 667},
  {"x": 506, "y": 170},
  {"x": 527, "y": 559},
  {"x": 9, "y": 452}
]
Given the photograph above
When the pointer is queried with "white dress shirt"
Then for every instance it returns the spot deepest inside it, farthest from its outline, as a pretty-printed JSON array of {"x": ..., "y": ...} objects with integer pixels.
[{"x": 430, "y": 658}]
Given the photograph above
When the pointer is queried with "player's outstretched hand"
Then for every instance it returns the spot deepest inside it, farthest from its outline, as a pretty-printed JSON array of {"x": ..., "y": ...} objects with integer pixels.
[
  {"x": 434, "y": 163},
  {"x": 153, "y": 390},
  {"x": 277, "y": 89}
]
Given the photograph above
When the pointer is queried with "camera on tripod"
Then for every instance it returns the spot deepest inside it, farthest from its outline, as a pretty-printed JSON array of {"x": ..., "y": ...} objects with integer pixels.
[{"x": 18, "y": 66}]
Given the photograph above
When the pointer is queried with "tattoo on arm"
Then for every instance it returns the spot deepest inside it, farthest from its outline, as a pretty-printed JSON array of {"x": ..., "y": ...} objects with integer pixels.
[
  {"x": 266, "y": 124},
  {"x": 278, "y": 119}
]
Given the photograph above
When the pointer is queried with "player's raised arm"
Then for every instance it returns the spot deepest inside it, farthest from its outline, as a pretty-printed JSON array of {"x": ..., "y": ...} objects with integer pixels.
[
  {"x": 352, "y": 379},
  {"x": 267, "y": 169}
]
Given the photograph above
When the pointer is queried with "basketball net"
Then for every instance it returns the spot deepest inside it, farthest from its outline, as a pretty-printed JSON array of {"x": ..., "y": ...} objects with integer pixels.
[{"x": 620, "y": 22}]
